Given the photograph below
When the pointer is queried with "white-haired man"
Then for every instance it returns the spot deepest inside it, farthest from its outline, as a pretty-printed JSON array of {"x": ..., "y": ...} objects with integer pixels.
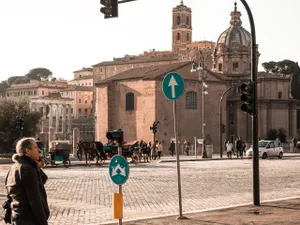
[{"x": 25, "y": 187}]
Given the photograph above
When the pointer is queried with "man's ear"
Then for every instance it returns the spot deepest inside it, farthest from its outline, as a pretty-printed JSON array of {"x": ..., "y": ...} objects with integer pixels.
[{"x": 27, "y": 151}]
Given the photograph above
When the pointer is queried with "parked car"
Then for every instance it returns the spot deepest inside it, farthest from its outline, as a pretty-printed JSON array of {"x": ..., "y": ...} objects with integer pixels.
[{"x": 267, "y": 148}]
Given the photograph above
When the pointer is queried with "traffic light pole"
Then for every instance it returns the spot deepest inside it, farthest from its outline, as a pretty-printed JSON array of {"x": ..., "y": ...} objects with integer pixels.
[
  {"x": 256, "y": 186},
  {"x": 220, "y": 120}
]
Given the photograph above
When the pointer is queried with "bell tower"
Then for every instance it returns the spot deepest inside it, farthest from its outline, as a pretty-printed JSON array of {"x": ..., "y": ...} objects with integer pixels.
[{"x": 182, "y": 28}]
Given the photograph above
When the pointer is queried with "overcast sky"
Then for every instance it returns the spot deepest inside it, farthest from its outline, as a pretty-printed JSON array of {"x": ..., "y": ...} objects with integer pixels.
[{"x": 66, "y": 35}]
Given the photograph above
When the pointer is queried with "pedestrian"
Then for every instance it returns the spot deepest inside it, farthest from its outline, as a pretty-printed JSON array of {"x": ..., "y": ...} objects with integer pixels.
[
  {"x": 240, "y": 146},
  {"x": 159, "y": 149},
  {"x": 25, "y": 186},
  {"x": 186, "y": 146},
  {"x": 153, "y": 150},
  {"x": 292, "y": 145},
  {"x": 229, "y": 148},
  {"x": 172, "y": 148}
]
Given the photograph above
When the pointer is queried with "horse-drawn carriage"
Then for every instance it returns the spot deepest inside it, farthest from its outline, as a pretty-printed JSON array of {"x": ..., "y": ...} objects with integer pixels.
[
  {"x": 128, "y": 149},
  {"x": 60, "y": 153}
]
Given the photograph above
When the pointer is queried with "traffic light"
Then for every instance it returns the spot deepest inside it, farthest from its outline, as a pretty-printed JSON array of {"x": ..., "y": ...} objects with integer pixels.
[
  {"x": 109, "y": 9},
  {"x": 20, "y": 124},
  {"x": 154, "y": 127},
  {"x": 247, "y": 97},
  {"x": 115, "y": 135}
]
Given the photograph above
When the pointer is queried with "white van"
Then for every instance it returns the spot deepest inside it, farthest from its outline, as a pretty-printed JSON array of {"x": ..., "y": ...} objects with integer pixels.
[{"x": 267, "y": 148}]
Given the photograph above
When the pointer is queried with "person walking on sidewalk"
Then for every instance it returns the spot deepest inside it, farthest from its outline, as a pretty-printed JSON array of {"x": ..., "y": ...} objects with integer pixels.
[
  {"x": 159, "y": 149},
  {"x": 229, "y": 148},
  {"x": 240, "y": 146},
  {"x": 186, "y": 146},
  {"x": 172, "y": 148},
  {"x": 25, "y": 186}
]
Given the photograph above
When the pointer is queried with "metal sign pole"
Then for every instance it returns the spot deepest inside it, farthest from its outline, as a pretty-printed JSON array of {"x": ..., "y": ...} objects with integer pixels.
[{"x": 177, "y": 162}]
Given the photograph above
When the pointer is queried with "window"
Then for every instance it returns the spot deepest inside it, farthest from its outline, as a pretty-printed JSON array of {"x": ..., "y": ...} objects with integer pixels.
[
  {"x": 43, "y": 93},
  {"x": 187, "y": 37},
  {"x": 129, "y": 101},
  {"x": 220, "y": 66},
  {"x": 235, "y": 66},
  {"x": 34, "y": 92},
  {"x": 79, "y": 76},
  {"x": 71, "y": 110},
  {"x": 79, "y": 110},
  {"x": 79, "y": 100},
  {"x": 178, "y": 37},
  {"x": 191, "y": 100},
  {"x": 85, "y": 101},
  {"x": 187, "y": 20},
  {"x": 85, "y": 111},
  {"x": 178, "y": 19},
  {"x": 101, "y": 70},
  {"x": 280, "y": 94}
]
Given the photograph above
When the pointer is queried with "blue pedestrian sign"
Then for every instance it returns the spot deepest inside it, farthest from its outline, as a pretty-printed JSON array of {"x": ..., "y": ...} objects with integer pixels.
[
  {"x": 118, "y": 170},
  {"x": 173, "y": 86}
]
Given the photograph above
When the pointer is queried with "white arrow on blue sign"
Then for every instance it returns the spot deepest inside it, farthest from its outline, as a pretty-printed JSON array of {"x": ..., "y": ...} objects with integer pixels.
[{"x": 173, "y": 86}]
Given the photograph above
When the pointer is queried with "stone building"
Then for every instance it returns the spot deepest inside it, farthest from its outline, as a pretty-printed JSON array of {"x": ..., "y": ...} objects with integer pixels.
[
  {"x": 83, "y": 77},
  {"x": 132, "y": 100}
]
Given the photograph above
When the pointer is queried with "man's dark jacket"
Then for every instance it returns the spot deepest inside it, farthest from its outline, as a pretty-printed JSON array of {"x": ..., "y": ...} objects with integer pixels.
[{"x": 26, "y": 188}]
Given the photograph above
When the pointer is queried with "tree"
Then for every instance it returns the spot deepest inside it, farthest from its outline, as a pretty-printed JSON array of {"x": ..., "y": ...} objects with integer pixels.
[
  {"x": 286, "y": 67},
  {"x": 39, "y": 74},
  {"x": 9, "y": 110}
]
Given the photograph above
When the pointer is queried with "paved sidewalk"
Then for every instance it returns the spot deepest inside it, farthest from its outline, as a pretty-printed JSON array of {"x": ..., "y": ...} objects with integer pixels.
[
  {"x": 168, "y": 158},
  {"x": 285, "y": 212}
]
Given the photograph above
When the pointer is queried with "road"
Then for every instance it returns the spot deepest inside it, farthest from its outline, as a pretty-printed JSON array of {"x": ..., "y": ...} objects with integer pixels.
[{"x": 82, "y": 195}]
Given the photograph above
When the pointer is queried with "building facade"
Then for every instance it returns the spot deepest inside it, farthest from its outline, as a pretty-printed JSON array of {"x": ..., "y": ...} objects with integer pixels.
[{"x": 132, "y": 100}]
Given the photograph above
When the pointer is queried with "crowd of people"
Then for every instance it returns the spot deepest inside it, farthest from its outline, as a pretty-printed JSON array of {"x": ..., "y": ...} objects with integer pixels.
[{"x": 237, "y": 148}]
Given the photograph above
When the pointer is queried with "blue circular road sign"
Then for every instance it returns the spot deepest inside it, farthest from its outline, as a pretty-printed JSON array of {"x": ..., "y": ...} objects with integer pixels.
[
  {"x": 118, "y": 169},
  {"x": 173, "y": 86}
]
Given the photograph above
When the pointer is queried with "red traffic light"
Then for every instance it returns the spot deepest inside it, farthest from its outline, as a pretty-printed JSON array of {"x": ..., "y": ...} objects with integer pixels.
[{"x": 247, "y": 88}]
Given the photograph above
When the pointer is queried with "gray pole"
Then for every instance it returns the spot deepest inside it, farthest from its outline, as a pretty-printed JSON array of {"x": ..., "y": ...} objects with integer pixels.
[
  {"x": 220, "y": 120},
  {"x": 256, "y": 191},
  {"x": 177, "y": 162},
  {"x": 204, "y": 153}
]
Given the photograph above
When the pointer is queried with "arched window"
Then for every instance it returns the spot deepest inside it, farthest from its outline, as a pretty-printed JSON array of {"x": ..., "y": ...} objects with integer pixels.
[
  {"x": 188, "y": 21},
  {"x": 178, "y": 19},
  {"x": 191, "y": 100},
  {"x": 187, "y": 37},
  {"x": 178, "y": 36},
  {"x": 129, "y": 101}
]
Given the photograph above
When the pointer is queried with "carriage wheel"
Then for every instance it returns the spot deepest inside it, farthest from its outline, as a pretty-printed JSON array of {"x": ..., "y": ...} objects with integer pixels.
[{"x": 67, "y": 163}]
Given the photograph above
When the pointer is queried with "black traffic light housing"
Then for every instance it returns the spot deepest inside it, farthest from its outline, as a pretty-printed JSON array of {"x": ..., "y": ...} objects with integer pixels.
[
  {"x": 109, "y": 9},
  {"x": 20, "y": 124},
  {"x": 247, "y": 90},
  {"x": 154, "y": 127},
  {"x": 115, "y": 135}
]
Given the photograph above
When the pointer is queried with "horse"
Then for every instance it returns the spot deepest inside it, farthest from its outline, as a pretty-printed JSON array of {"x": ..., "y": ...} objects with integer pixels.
[{"x": 91, "y": 151}]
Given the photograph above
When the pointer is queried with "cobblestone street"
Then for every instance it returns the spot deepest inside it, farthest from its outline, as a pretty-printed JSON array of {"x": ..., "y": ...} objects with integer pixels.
[{"x": 83, "y": 195}]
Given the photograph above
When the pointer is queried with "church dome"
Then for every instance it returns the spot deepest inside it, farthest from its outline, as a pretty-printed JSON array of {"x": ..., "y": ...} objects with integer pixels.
[{"x": 235, "y": 34}]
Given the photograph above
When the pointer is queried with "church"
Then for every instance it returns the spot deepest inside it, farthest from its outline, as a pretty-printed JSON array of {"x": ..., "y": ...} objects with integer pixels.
[{"x": 132, "y": 100}]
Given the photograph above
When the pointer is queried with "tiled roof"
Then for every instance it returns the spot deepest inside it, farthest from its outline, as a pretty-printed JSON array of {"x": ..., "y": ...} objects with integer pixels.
[
  {"x": 159, "y": 58},
  {"x": 263, "y": 74},
  {"x": 78, "y": 88},
  {"x": 84, "y": 69},
  {"x": 156, "y": 72},
  {"x": 84, "y": 77}
]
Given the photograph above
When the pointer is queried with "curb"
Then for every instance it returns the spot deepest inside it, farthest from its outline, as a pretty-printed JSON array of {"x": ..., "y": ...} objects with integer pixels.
[{"x": 203, "y": 210}]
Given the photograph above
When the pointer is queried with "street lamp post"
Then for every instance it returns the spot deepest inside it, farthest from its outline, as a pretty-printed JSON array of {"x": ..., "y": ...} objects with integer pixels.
[
  {"x": 201, "y": 76},
  {"x": 220, "y": 119}
]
